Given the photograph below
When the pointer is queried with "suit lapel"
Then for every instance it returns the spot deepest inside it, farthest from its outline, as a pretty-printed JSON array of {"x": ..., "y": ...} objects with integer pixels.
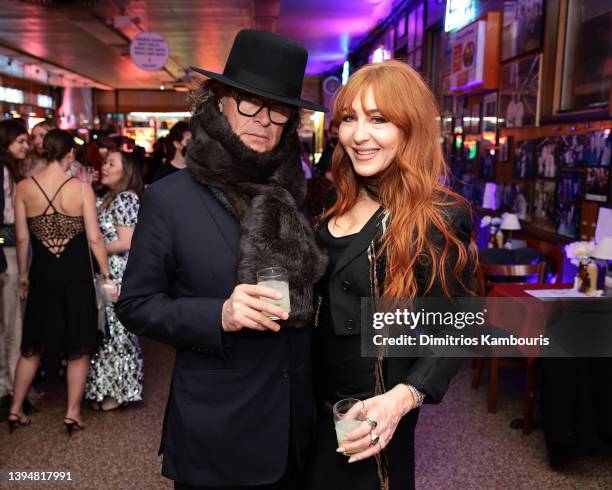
[
  {"x": 228, "y": 224},
  {"x": 360, "y": 243}
]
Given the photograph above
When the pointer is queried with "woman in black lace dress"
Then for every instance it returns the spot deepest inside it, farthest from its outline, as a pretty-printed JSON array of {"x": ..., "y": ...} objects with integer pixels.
[{"x": 56, "y": 214}]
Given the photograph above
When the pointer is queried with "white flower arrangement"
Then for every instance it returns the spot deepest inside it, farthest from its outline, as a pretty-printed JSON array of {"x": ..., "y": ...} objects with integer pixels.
[
  {"x": 579, "y": 252},
  {"x": 490, "y": 221}
]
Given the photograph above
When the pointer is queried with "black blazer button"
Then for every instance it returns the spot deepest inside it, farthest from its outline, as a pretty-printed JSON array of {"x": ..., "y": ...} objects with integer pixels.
[
  {"x": 285, "y": 373},
  {"x": 349, "y": 325},
  {"x": 346, "y": 286}
]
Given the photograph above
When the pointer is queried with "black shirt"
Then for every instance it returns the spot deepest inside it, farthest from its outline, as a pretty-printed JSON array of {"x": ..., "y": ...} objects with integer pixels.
[{"x": 164, "y": 171}]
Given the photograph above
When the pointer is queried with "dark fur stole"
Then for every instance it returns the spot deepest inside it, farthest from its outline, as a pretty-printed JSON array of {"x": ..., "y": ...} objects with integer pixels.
[{"x": 265, "y": 191}]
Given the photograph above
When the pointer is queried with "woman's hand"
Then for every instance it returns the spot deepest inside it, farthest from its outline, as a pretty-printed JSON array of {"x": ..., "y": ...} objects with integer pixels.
[
  {"x": 114, "y": 290},
  {"x": 386, "y": 411},
  {"x": 24, "y": 287},
  {"x": 245, "y": 309}
]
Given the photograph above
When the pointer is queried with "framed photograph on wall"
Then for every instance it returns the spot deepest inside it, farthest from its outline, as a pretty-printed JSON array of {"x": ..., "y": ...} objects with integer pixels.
[
  {"x": 460, "y": 109},
  {"x": 523, "y": 159},
  {"x": 598, "y": 148},
  {"x": 506, "y": 197},
  {"x": 474, "y": 118},
  {"x": 544, "y": 200},
  {"x": 521, "y": 199},
  {"x": 489, "y": 115},
  {"x": 571, "y": 151},
  {"x": 522, "y": 27},
  {"x": 570, "y": 186},
  {"x": 546, "y": 157},
  {"x": 518, "y": 100},
  {"x": 487, "y": 161},
  {"x": 597, "y": 184},
  {"x": 504, "y": 144},
  {"x": 568, "y": 220}
]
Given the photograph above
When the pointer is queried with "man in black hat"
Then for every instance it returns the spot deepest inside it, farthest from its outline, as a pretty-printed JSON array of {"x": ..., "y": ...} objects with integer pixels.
[{"x": 241, "y": 409}]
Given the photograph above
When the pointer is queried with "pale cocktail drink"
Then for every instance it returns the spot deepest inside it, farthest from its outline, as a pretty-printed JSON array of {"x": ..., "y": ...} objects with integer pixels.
[
  {"x": 343, "y": 427},
  {"x": 348, "y": 415},
  {"x": 275, "y": 278},
  {"x": 283, "y": 288}
]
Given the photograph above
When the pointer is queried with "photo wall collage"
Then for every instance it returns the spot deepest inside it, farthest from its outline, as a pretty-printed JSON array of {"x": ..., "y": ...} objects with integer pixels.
[
  {"x": 544, "y": 181},
  {"x": 551, "y": 176}
]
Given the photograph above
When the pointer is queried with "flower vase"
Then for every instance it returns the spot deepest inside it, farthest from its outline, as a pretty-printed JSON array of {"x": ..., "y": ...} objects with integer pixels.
[
  {"x": 492, "y": 239},
  {"x": 499, "y": 239},
  {"x": 581, "y": 281}
]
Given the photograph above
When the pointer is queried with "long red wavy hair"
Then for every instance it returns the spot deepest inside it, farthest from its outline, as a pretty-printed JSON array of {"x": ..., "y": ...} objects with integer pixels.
[{"x": 411, "y": 188}]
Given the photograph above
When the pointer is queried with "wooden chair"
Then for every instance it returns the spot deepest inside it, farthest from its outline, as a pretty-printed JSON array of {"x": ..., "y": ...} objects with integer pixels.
[{"x": 510, "y": 273}]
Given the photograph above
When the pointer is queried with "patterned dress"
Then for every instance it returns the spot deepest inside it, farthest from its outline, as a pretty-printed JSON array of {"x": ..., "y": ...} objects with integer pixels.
[{"x": 116, "y": 371}]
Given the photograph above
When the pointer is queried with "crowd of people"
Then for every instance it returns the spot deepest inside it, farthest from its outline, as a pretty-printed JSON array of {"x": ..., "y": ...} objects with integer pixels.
[{"x": 62, "y": 205}]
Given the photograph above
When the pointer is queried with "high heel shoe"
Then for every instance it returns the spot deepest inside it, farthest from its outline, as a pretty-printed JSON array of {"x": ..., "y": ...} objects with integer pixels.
[
  {"x": 18, "y": 422},
  {"x": 99, "y": 406},
  {"x": 72, "y": 425}
]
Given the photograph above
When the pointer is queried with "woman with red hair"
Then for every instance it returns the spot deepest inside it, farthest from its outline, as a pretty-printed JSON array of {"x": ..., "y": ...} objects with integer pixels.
[{"x": 394, "y": 231}]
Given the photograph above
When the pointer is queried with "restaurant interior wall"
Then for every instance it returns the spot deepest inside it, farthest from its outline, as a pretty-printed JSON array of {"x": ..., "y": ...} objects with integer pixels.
[
  {"x": 311, "y": 131},
  {"x": 39, "y": 100},
  {"x": 561, "y": 197},
  {"x": 124, "y": 101}
]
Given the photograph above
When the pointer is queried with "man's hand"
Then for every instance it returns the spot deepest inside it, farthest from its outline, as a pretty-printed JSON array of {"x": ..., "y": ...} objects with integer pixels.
[{"x": 245, "y": 309}]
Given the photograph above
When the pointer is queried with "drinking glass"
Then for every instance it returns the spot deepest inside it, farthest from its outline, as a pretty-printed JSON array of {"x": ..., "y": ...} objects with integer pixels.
[
  {"x": 275, "y": 278},
  {"x": 349, "y": 413}
]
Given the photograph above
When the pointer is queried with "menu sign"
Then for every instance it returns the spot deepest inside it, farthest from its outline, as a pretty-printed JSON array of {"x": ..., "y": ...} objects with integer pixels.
[
  {"x": 149, "y": 51},
  {"x": 468, "y": 56}
]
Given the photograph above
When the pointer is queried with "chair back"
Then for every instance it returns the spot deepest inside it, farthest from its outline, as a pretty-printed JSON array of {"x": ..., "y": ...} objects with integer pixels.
[{"x": 517, "y": 274}]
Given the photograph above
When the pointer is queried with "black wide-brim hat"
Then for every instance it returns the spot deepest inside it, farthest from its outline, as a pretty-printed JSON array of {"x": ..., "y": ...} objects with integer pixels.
[{"x": 268, "y": 65}]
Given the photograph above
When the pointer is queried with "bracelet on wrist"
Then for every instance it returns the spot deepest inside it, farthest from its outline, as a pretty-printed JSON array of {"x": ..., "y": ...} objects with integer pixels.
[{"x": 419, "y": 397}]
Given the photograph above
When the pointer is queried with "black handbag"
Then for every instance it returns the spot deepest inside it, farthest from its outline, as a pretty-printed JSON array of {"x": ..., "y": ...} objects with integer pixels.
[{"x": 8, "y": 234}]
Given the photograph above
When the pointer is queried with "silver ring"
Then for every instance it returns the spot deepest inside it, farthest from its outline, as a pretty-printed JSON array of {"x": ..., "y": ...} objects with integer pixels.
[
  {"x": 374, "y": 438},
  {"x": 372, "y": 423}
]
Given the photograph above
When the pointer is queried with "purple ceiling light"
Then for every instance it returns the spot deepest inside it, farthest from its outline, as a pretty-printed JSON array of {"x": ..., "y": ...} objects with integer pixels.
[{"x": 329, "y": 30}]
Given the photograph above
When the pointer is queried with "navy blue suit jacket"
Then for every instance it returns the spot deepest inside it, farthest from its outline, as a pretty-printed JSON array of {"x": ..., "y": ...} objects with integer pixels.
[{"x": 235, "y": 398}]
